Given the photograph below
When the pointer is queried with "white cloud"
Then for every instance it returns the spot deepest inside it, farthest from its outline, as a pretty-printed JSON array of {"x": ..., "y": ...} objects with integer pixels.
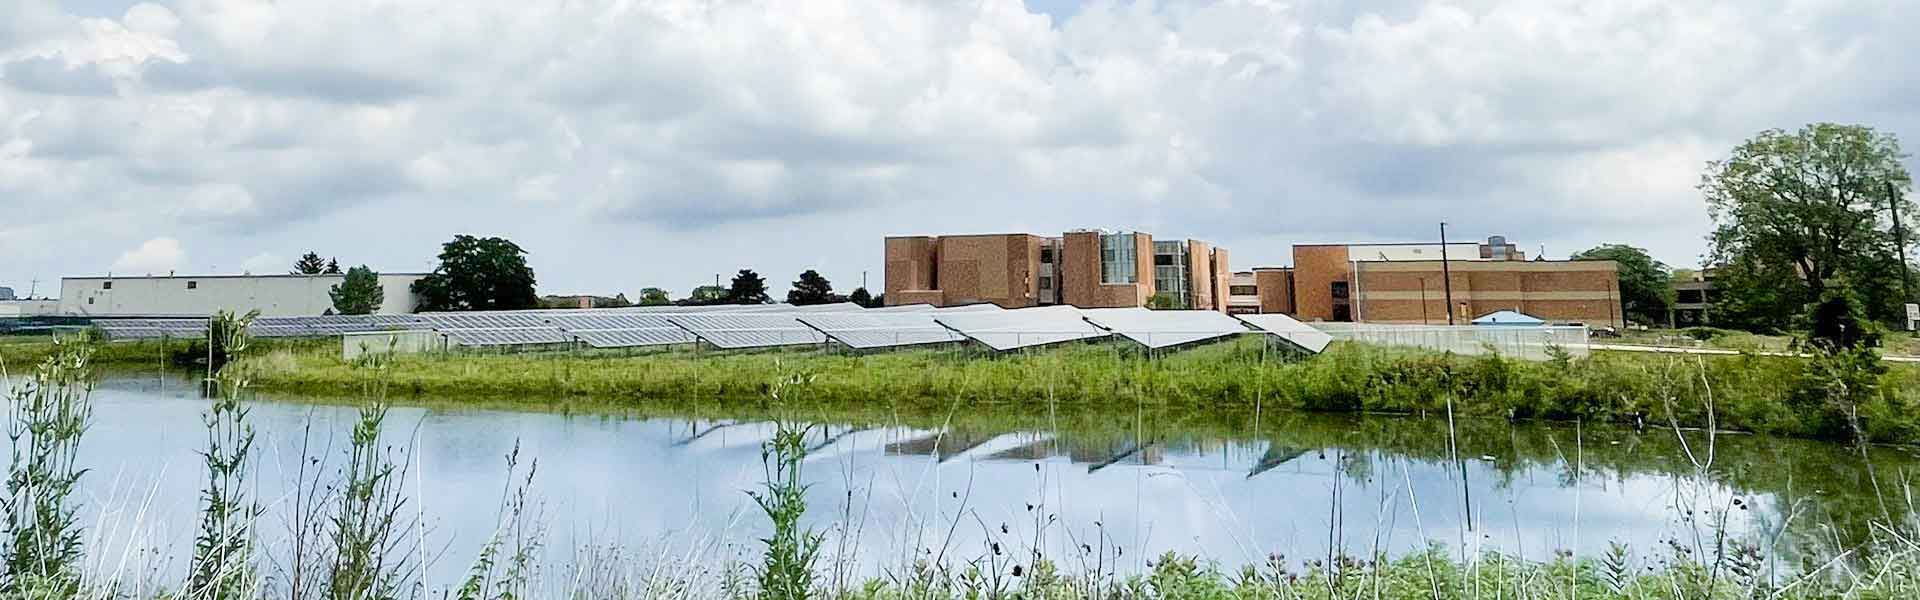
[
  {"x": 154, "y": 256},
  {"x": 265, "y": 263},
  {"x": 593, "y": 131}
]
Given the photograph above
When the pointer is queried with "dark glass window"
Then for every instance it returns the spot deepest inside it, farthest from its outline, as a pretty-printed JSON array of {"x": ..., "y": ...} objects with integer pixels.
[
  {"x": 1340, "y": 290},
  {"x": 193, "y": 285},
  {"x": 1163, "y": 260},
  {"x": 1046, "y": 254},
  {"x": 106, "y": 285}
]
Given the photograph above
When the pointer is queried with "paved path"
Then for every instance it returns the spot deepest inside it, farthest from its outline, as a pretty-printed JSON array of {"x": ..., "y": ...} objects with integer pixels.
[{"x": 1719, "y": 351}]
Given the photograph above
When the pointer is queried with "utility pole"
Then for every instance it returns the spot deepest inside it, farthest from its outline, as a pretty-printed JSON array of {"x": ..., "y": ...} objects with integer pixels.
[
  {"x": 1900, "y": 243},
  {"x": 1900, "y": 246},
  {"x": 1446, "y": 272}
]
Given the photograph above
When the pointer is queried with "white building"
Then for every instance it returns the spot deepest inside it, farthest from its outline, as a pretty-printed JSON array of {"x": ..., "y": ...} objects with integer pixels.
[
  {"x": 202, "y": 295},
  {"x": 14, "y": 309}
]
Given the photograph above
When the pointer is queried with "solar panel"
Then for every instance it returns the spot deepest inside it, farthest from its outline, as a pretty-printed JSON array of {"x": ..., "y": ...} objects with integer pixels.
[
  {"x": 1300, "y": 335},
  {"x": 748, "y": 330},
  {"x": 836, "y": 307},
  {"x": 1022, "y": 328},
  {"x": 967, "y": 308},
  {"x": 629, "y": 338},
  {"x": 904, "y": 308},
  {"x": 871, "y": 329},
  {"x": 1165, "y": 328},
  {"x": 611, "y": 321},
  {"x": 485, "y": 320},
  {"x": 505, "y": 336}
]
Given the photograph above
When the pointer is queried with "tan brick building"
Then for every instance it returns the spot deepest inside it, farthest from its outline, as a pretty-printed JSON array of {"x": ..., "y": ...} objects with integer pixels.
[
  {"x": 1404, "y": 283},
  {"x": 1088, "y": 269}
]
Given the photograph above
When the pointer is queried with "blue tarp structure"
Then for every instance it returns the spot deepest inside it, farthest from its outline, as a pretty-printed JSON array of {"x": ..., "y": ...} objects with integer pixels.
[{"x": 1508, "y": 317}]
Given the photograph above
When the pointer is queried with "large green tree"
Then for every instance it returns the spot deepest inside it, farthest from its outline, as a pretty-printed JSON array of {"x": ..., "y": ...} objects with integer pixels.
[
  {"x": 811, "y": 288},
  {"x": 654, "y": 296},
  {"x": 360, "y": 294},
  {"x": 1646, "y": 285},
  {"x": 748, "y": 288},
  {"x": 478, "y": 273},
  {"x": 862, "y": 297},
  {"x": 705, "y": 295},
  {"x": 1799, "y": 213}
]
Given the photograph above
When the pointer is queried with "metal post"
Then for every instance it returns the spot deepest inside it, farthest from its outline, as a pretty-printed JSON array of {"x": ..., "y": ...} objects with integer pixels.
[
  {"x": 1900, "y": 244},
  {"x": 1446, "y": 272},
  {"x": 1423, "y": 301}
]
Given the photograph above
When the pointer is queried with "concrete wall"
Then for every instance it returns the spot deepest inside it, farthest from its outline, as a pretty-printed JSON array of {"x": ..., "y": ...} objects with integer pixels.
[
  {"x": 1200, "y": 275},
  {"x": 1558, "y": 291},
  {"x": 28, "y": 308},
  {"x": 1222, "y": 279},
  {"x": 198, "y": 296}
]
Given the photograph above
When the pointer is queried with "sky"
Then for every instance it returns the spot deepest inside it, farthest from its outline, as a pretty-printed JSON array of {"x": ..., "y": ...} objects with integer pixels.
[{"x": 635, "y": 143}]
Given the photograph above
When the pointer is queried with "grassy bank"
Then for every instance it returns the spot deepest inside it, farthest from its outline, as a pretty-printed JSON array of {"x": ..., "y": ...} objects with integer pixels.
[{"x": 1752, "y": 393}]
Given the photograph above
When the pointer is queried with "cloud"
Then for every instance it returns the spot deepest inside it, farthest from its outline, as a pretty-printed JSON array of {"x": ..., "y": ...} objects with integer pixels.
[
  {"x": 264, "y": 263},
  {"x": 743, "y": 128},
  {"x": 154, "y": 256},
  {"x": 48, "y": 75}
]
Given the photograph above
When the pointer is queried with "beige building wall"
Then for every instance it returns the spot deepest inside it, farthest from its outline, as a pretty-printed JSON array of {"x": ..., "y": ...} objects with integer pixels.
[{"x": 1413, "y": 292}]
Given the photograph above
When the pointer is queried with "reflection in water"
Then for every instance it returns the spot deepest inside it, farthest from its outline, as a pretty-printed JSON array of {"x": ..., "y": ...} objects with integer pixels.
[{"x": 1235, "y": 487}]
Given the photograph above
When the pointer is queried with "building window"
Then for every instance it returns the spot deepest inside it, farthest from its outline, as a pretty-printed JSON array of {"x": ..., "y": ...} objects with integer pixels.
[
  {"x": 1340, "y": 290},
  {"x": 1118, "y": 260},
  {"x": 193, "y": 285},
  {"x": 106, "y": 285},
  {"x": 1244, "y": 290},
  {"x": 89, "y": 301},
  {"x": 1046, "y": 283},
  {"x": 1046, "y": 254},
  {"x": 1163, "y": 260}
]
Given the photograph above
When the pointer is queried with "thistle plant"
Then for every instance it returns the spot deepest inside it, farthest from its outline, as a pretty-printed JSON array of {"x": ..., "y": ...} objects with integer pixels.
[
  {"x": 47, "y": 415},
  {"x": 223, "y": 552}
]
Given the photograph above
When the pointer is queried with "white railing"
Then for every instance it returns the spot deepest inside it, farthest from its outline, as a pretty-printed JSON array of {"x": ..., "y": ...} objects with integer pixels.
[{"x": 1516, "y": 341}]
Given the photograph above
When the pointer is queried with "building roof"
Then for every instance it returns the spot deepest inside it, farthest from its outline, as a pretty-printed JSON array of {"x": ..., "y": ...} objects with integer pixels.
[
  {"x": 241, "y": 276},
  {"x": 1508, "y": 317}
]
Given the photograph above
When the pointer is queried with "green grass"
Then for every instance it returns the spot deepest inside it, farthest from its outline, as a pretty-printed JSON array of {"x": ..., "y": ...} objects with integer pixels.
[{"x": 1750, "y": 393}]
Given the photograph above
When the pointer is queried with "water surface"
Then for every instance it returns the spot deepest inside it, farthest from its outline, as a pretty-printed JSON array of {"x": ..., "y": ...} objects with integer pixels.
[{"x": 1113, "y": 488}]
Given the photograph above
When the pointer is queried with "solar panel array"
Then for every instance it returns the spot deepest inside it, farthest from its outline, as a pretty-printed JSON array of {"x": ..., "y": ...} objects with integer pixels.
[
  {"x": 749, "y": 330},
  {"x": 1023, "y": 328},
  {"x": 1165, "y": 328},
  {"x": 876, "y": 329},
  {"x": 1300, "y": 335},
  {"x": 772, "y": 325}
]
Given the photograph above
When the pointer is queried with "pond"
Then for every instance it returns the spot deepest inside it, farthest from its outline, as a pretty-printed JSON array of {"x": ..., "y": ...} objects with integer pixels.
[{"x": 1123, "y": 486}]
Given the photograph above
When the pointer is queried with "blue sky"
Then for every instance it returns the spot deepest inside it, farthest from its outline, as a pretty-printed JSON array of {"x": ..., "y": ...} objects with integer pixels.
[{"x": 658, "y": 142}]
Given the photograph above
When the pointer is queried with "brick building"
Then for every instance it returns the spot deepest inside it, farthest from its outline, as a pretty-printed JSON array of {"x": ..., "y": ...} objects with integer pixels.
[
  {"x": 1088, "y": 269},
  {"x": 1407, "y": 284}
]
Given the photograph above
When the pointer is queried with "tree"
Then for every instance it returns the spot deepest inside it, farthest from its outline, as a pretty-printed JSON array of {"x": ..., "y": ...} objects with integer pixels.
[
  {"x": 812, "y": 289},
  {"x": 705, "y": 295},
  {"x": 333, "y": 267},
  {"x": 1162, "y": 301},
  {"x": 748, "y": 288},
  {"x": 862, "y": 297},
  {"x": 309, "y": 264},
  {"x": 478, "y": 274},
  {"x": 360, "y": 294},
  {"x": 1806, "y": 211},
  {"x": 654, "y": 296},
  {"x": 1646, "y": 285}
]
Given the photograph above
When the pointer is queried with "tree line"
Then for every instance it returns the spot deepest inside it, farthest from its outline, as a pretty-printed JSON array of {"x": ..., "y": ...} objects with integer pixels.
[
  {"x": 1810, "y": 232},
  {"x": 491, "y": 273}
]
